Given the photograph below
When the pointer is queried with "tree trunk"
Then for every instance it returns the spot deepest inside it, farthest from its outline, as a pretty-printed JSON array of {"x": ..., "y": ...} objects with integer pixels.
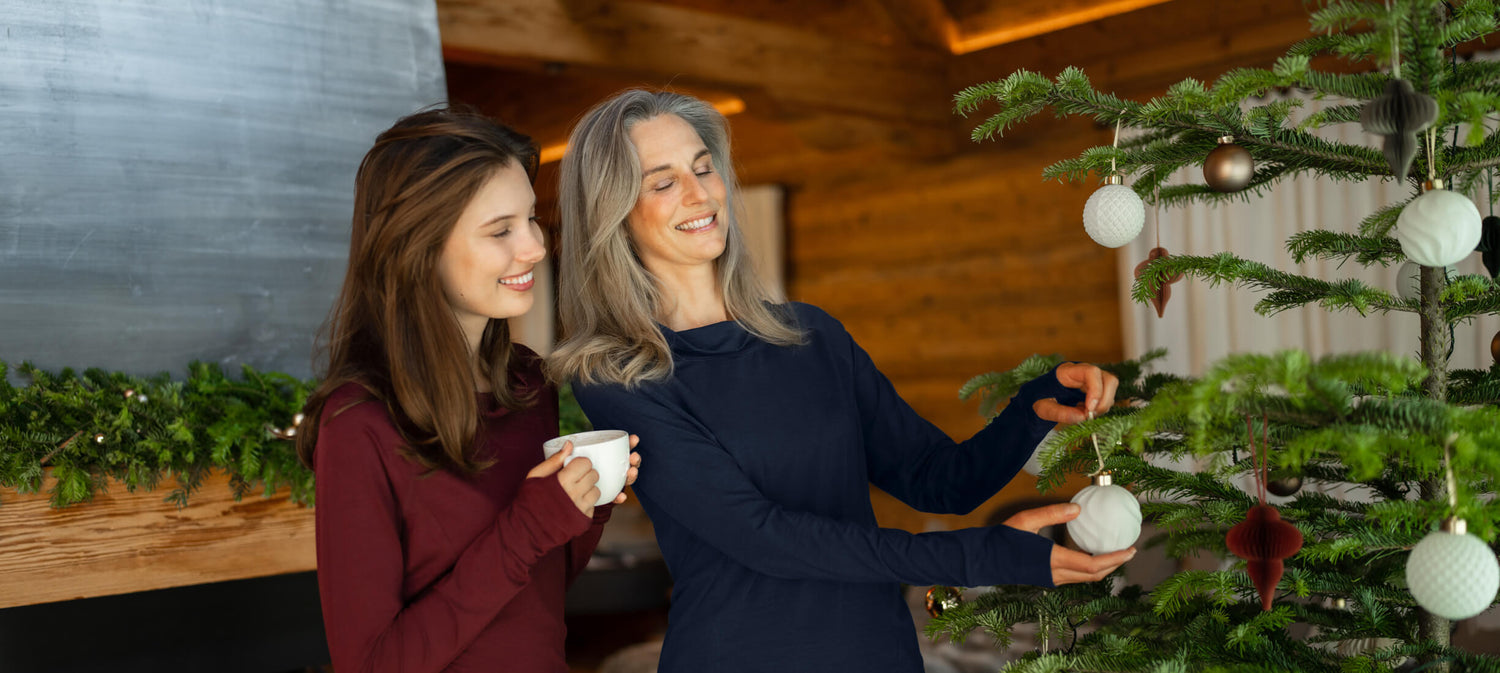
[{"x": 1436, "y": 342}]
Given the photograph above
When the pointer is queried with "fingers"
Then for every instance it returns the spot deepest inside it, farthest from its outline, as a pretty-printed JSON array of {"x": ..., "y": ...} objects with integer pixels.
[
  {"x": 1070, "y": 567},
  {"x": 1107, "y": 400},
  {"x": 1033, "y": 520},
  {"x": 1093, "y": 388},
  {"x": 578, "y": 471},
  {"x": 551, "y": 465},
  {"x": 1098, "y": 386},
  {"x": 1050, "y": 410},
  {"x": 634, "y": 440},
  {"x": 634, "y": 471}
]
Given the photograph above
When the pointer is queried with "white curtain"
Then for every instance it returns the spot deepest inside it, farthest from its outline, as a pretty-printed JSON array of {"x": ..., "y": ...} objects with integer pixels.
[{"x": 1203, "y": 324}]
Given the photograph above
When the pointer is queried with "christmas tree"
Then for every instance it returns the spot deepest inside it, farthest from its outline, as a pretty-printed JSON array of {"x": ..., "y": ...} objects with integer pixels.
[{"x": 1421, "y": 441}]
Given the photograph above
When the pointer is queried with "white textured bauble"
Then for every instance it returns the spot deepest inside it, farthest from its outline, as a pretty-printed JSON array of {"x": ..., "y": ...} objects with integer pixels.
[
  {"x": 1452, "y": 575},
  {"x": 1033, "y": 464},
  {"x": 1114, "y": 215},
  {"x": 1110, "y": 520},
  {"x": 1438, "y": 228},
  {"x": 1409, "y": 279}
]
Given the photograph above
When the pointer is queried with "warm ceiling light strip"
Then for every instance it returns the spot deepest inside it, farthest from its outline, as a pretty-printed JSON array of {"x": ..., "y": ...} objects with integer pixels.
[
  {"x": 967, "y": 43},
  {"x": 726, "y": 106}
]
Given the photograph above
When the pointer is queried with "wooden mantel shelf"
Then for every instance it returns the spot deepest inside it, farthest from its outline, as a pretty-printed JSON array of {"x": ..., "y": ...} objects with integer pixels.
[{"x": 125, "y": 542}]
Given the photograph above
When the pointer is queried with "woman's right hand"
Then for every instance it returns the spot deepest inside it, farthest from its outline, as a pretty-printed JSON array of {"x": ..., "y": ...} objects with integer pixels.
[
  {"x": 1069, "y": 566},
  {"x": 578, "y": 478}
]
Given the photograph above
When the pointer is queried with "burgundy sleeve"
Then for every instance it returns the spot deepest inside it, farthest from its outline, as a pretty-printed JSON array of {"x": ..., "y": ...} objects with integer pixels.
[
  {"x": 360, "y": 559},
  {"x": 581, "y": 548}
]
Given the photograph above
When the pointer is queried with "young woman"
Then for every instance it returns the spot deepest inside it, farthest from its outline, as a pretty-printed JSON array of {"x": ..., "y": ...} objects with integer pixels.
[
  {"x": 765, "y": 424},
  {"x": 444, "y": 541}
]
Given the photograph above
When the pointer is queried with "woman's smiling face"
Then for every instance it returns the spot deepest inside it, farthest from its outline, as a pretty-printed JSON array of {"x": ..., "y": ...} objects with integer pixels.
[{"x": 678, "y": 221}]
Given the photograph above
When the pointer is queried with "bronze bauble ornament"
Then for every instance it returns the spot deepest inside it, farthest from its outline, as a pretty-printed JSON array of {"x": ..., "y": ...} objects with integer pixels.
[
  {"x": 1495, "y": 347},
  {"x": 1229, "y": 168},
  {"x": 941, "y": 598},
  {"x": 1285, "y": 486}
]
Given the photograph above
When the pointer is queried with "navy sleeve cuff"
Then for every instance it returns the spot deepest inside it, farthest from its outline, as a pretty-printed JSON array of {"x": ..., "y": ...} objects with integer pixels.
[
  {"x": 1047, "y": 385},
  {"x": 1028, "y": 561}
]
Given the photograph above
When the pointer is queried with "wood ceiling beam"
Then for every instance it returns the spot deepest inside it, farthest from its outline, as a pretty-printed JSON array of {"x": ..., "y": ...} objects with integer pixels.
[
  {"x": 1127, "y": 54},
  {"x": 666, "y": 44},
  {"x": 926, "y": 23},
  {"x": 996, "y": 23}
]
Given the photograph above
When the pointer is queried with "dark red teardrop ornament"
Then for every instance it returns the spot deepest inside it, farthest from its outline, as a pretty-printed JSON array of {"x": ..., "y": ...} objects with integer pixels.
[
  {"x": 1163, "y": 293},
  {"x": 1263, "y": 540}
]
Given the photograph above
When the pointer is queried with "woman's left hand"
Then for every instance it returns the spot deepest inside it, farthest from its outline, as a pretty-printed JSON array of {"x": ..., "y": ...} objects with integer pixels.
[
  {"x": 634, "y": 471},
  {"x": 1099, "y": 393}
]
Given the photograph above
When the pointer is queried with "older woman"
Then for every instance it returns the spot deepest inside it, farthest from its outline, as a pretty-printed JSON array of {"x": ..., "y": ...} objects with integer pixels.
[{"x": 765, "y": 424}]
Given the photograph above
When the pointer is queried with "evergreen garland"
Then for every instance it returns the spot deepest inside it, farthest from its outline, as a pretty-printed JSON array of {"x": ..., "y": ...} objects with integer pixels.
[{"x": 100, "y": 426}]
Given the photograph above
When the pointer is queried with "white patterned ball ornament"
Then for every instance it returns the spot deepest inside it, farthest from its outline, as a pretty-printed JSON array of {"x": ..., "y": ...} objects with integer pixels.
[
  {"x": 1438, "y": 228},
  {"x": 1114, "y": 215},
  {"x": 1110, "y": 519},
  {"x": 1452, "y": 575}
]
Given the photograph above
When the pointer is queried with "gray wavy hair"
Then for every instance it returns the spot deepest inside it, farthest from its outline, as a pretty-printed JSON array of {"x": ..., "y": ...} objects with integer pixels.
[{"x": 608, "y": 301}]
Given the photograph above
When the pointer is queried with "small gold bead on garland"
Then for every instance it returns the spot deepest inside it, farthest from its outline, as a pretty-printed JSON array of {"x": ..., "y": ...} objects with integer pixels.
[{"x": 941, "y": 598}]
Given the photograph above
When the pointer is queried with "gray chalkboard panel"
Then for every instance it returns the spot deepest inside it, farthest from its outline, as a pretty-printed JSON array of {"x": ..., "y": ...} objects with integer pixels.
[{"x": 176, "y": 176}]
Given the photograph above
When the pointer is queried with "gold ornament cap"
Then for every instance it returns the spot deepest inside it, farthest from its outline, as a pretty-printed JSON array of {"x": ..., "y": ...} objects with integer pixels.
[
  {"x": 1435, "y": 183},
  {"x": 1102, "y": 479},
  {"x": 1226, "y": 140},
  {"x": 1114, "y": 179},
  {"x": 1455, "y": 526}
]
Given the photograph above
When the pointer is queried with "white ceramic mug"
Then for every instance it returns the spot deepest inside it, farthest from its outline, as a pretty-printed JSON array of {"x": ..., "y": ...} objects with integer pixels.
[{"x": 607, "y": 450}]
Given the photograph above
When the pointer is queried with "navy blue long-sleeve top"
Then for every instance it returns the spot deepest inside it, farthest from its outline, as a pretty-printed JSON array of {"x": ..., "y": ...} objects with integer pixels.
[{"x": 756, "y": 472}]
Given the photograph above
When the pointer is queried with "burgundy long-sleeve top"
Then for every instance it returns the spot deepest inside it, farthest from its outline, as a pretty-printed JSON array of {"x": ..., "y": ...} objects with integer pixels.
[{"x": 433, "y": 571}]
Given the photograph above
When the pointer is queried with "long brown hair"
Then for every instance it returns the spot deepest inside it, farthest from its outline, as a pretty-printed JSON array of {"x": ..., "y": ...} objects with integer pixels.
[{"x": 392, "y": 330}]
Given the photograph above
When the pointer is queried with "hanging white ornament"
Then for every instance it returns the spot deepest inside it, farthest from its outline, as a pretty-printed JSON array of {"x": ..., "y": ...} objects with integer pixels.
[
  {"x": 1453, "y": 574},
  {"x": 1110, "y": 519},
  {"x": 1438, "y": 228},
  {"x": 1409, "y": 279},
  {"x": 1114, "y": 215}
]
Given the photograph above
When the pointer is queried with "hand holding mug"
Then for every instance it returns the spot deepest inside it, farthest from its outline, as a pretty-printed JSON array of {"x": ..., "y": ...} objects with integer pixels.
[
  {"x": 607, "y": 452},
  {"x": 579, "y": 479}
]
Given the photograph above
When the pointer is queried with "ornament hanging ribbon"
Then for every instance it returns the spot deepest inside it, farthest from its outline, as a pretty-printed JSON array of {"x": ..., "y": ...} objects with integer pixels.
[{"x": 1263, "y": 539}]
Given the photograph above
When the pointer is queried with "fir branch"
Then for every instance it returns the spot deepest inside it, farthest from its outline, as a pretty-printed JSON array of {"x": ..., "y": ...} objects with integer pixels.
[
  {"x": 996, "y": 387},
  {"x": 1289, "y": 290},
  {"x": 1322, "y": 244}
]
